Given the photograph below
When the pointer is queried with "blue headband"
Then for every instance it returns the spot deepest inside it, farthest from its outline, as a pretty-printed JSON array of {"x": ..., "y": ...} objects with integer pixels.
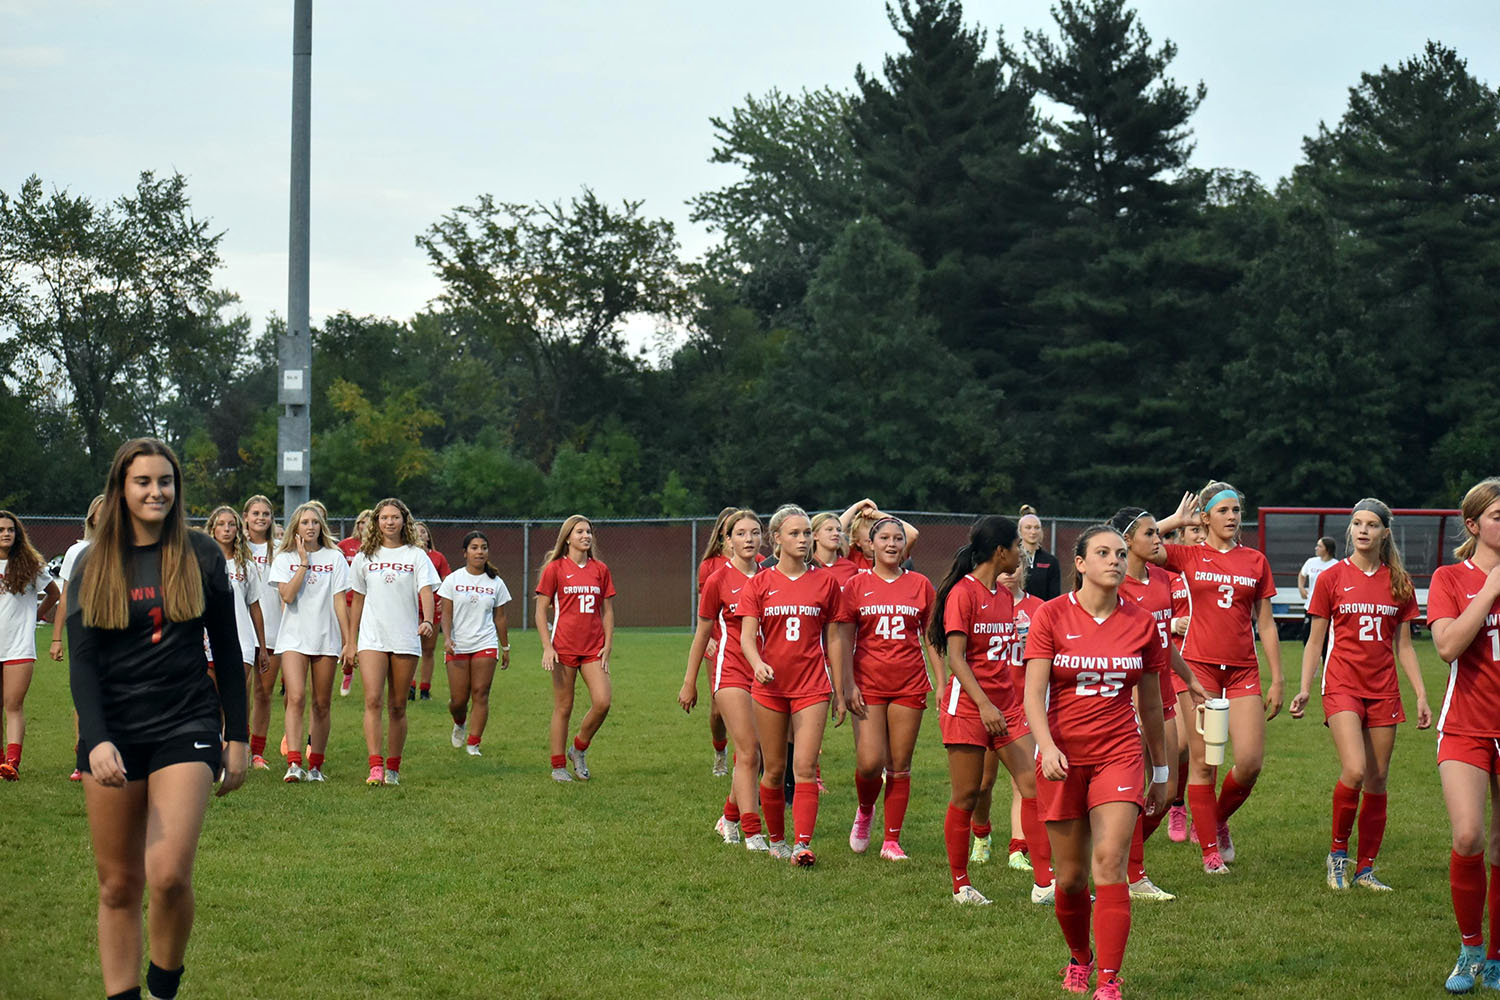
[{"x": 1221, "y": 495}]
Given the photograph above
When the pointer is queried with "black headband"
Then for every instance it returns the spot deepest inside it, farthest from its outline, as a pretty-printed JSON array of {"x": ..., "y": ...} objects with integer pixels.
[{"x": 1375, "y": 507}]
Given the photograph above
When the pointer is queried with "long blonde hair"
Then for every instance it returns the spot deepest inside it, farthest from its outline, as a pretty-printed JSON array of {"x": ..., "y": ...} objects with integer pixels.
[
  {"x": 24, "y": 563},
  {"x": 783, "y": 512},
  {"x": 560, "y": 549},
  {"x": 373, "y": 538},
  {"x": 104, "y": 591},
  {"x": 239, "y": 546},
  {"x": 271, "y": 528},
  {"x": 716, "y": 539},
  {"x": 821, "y": 519},
  {"x": 91, "y": 519},
  {"x": 1476, "y": 502},
  {"x": 289, "y": 537},
  {"x": 1401, "y": 585}
]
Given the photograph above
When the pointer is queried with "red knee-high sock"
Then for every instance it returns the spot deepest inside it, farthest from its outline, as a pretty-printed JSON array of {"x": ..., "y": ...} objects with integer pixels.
[
  {"x": 1073, "y": 913},
  {"x": 1493, "y": 951},
  {"x": 805, "y": 810},
  {"x": 956, "y": 838},
  {"x": 393, "y": 764},
  {"x": 980, "y": 829},
  {"x": 580, "y": 744},
  {"x": 558, "y": 761},
  {"x": 1345, "y": 805},
  {"x": 1466, "y": 883},
  {"x": 1016, "y": 844},
  {"x": 1036, "y": 839},
  {"x": 1135, "y": 865},
  {"x": 719, "y": 745},
  {"x": 731, "y": 811},
  {"x": 897, "y": 795},
  {"x": 315, "y": 760},
  {"x": 773, "y": 805},
  {"x": 257, "y": 746},
  {"x": 13, "y": 754},
  {"x": 1372, "y": 832},
  {"x": 1232, "y": 796},
  {"x": 749, "y": 823},
  {"x": 1205, "y": 816},
  {"x": 867, "y": 790},
  {"x": 1112, "y": 929}
]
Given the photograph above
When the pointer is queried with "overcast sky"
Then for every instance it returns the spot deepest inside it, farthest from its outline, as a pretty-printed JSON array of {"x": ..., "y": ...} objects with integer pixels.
[{"x": 418, "y": 108}]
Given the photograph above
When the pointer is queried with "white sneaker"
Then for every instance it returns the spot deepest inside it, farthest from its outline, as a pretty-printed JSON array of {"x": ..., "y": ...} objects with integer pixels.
[
  {"x": 729, "y": 831},
  {"x": 970, "y": 896},
  {"x": 392, "y": 777},
  {"x": 1226, "y": 843},
  {"x": 345, "y": 685},
  {"x": 314, "y": 774},
  {"x": 779, "y": 850},
  {"x": 561, "y": 774},
  {"x": 1044, "y": 895},
  {"x": 580, "y": 763},
  {"x": 757, "y": 843},
  {"x": 459, "y": 735},
  {"x": 1147, "y": 889},
  {"x": 721, "y": 763},
  {"x": 294, "y": 774},
  {"x": 472, "y": 749}
]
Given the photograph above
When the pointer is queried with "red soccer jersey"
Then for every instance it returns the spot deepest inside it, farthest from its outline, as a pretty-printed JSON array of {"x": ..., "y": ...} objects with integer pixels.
[
  {"x": 578, "y": 594},
  {"x": 1471, "y": 705},
  {"x": 987, "y": 618},
  {"x": 1364, "y": 616},
  {"x": 708, "y": 567},
  {"x": 439, "y": 563},
  {"x": 350, "y": 548},
  {"x": 889, "y": 618},
  {"x": 1026, "y": 608},
  {"x": 1153, "y": 597},
  {"x": 1094, "y": 666},
  {"x": 1222, "y": 590},
  {"x": 859, "y": 559},
  {"x": 792, "y": 614},
  {"x": 843, "y": 569},
  {"x": 718, "y": 603}
]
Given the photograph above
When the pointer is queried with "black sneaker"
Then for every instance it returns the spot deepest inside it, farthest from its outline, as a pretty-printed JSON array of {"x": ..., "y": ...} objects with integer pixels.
[
  {"x": 411, "y": 693},
  {"x": 425, "y": 696}
]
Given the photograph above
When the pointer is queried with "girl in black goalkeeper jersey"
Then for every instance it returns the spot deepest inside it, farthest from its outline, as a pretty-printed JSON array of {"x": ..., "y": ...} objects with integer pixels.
[{"x": 149, "y": 716}]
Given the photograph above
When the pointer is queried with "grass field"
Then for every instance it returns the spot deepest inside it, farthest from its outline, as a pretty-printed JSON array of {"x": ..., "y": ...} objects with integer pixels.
[{"x": 483, "y": 878}]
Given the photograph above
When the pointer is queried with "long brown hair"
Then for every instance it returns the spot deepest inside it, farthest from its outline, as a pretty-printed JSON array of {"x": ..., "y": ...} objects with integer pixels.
[
  {"x": 289, "y": 538},
  {"x": 716, "y": 539},
  {"x": 1401, "y": 586},
  {"x": 1476, "y": 502},
  {"x": 25, "y": 563},
  {"x": 373, "y": 539},
  {"x": 560, "y": 549},
  {"x": 271, "y": 528},
  {"x": 91, "y": 519},
  {"x": 104, "y": 590},
  {"x": 239, "y": 546}
]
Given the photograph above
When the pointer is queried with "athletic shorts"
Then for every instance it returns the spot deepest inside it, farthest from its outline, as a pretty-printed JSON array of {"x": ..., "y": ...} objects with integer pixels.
[
  {"x": 1373, "y": 712},
  {"x": 917, "y": 699},
  {"x": 1088, "y": 785},
  {"x": 788, "y": 705},
  {"x": 144, "y": 759},
  {"x": 1169, "y": 686},
  {"x": 734, "y": 674},
  {"x": 576, "y": 661},
  {"x": 451, "y": 657},
  {"x": 16, "y": 663},
  {"x": 1235, "y": 682},
  {"x": 1482, "y": 752},
  {"x": 967, "y": 730}
]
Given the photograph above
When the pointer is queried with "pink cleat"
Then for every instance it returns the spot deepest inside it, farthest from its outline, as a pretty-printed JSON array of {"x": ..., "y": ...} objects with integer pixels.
[
  {"x": 859, "y": 833},
  {"x": 1076, "y": 975},
  {"x": 1177, "y": 824},
  {"x": 1109, "y": 990},
  {"x": 891, "y": 851},
  {"x": 377, "y": 775},
  {"x": 1214, "y": 864}
]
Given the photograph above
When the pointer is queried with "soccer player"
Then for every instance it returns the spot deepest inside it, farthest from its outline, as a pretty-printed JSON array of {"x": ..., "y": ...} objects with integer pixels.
[
  {"x": 856, "y": 522},
  {"x": 1463, "y": 611},
  {"x": 393, "y": 583},
  {"x": 1369, "y": 602},
  {"x": 577, "y": 591},
  {"x": 224, "y": 527},
  {"x": 980, "y": 710},
  {"x": 732, "y": 678},
  {"x": 1149, "y": 587},
  {"x": 475, "y": 637},
  {"x": 1026, "y": 606},
  {"x": 829, "y": 550},
  {"x": 350, "y": 548},
  {"x": 59, "y": 615},
  {"x": 149, "y": 715},
  {"x": 429, "y": 641},
  {"x": 23, "y": 577},
  {"x": 884, "y": 664},
  {"x": 785, "y": 614},
  {"x": 1086, "y": 652},
  {"x": 259, "y": 518},
  {"x": 715, "y": 558},
  {"x": 1229, "y": 590},
  {"x": 315, "y": 634}
]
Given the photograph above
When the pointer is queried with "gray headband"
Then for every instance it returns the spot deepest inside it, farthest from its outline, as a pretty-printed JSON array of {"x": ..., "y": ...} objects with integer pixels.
[{"x": 1375, "y": 507}]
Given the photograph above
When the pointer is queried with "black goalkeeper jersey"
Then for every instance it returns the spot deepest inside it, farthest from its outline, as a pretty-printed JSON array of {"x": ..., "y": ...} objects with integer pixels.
[{"x": 149, "y": 681}]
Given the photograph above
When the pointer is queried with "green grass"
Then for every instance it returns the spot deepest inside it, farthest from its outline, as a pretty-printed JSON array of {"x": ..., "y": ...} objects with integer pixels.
[{"x": 483, "y": 878}]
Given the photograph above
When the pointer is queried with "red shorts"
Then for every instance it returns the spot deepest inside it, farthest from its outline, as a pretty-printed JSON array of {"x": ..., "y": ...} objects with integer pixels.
[
  {"x": 967, "y": 730},
  {"x": 733, "y": 674},
  {"x": 1482, "y": 752},
  {"x": 570, "y": 660},
  {"x": 17, "y": 663},
  {"x": 914, "y": 699},
  {"x": 1373, "y": 712},
  {"x": 1235, "y": 682},
  {"x": 1169, "y": 686},
  {"x": 788, "y": 705},
  {"x": 483, "y": 654},
  {"x": 1088, "y": 785}
]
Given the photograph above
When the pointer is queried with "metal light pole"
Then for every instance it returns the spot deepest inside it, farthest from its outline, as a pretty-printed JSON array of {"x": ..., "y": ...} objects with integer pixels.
[{"x": 294, "y": 346}]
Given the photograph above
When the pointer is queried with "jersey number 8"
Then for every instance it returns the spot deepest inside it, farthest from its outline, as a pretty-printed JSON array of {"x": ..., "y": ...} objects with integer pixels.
[{"x": 793, "y": 629}]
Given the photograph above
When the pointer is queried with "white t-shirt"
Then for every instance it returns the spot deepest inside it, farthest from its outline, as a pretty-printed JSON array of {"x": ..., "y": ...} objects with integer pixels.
[
  {"x": 1312, "y": 568},
  {"x": 270, "y": 604},
  {"x": 391, "y": 581},
  {"x": 70, "y": 559},
  {"x": 475, "y": 599},
  {"x": 247, "y": 591},
  {"x": 309, "y": 623},
  {"x": 18, "y": 617}
]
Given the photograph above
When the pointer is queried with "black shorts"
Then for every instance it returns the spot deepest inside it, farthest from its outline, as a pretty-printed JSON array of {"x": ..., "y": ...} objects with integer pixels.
[{"x": 143, "y": 759}]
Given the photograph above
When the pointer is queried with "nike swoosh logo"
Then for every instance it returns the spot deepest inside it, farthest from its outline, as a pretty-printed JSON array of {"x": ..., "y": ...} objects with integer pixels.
[
  {"x": 736, "y": 590},
  {"x": 1249, "y": 687},
  {"x": 201, "y": 746},
  {"x": 983, "y": 607},
  {"x": 1347, "y": 589},
  {"x": 1123, "y": 788},
  {"x": 1472, "y": 596},
  {"x": 869, "y": 593},
  {"x": 771, "y": 593},
  {"x": 1078, "y": 636},
  {"x": 1140, "y": 597},
  {"x": 568, "y": 575}
]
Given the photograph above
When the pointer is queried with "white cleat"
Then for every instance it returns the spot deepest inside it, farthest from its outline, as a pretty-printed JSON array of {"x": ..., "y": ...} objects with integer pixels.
[
  {"x": 472, "y": 749},
  {"x": 294, "y": 774},
  {"x": 729, "y": 831},
  {"x": 757, "y": 843},
  {"x": 561, "y": 774},
  {"x": 1147, "y": 889},
  {"x": 459, "y": 735},
  {"x": 721, "y": 763},
  {"x": 1226, "y": 843},
  {"x": 315, "y": 774},
  {"x": 779, "y": 850},
  {"x": 1044, "y": 895},
  {"x": 392, "y": 777},
  {"x": 970, "y": 896},
  {"x": 1337, "y": 867},
  {"x": 580, "y": 763}
]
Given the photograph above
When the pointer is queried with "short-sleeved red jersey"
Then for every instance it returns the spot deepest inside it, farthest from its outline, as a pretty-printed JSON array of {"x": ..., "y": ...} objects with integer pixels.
[
  {"x": 1154, "y": 596},
  {"x": 791, "y": 615},
  {"x": 987, "y": 619},
  {"x": 889, "y": 618},
  {"x": 718, "y": 603},
  {"x": 1363, "y": 618},
  {"x": 842, "y": 568},
  {"x": 1471, "y": 705},
  {"x": 859, "y": 559},
  {"x": 1223, "y": 588},
  {"x": 1025, "y": 609},
  {"x": 578, "y": 594},
  {"x": 708, "y": 567},
  {"x": 1094, "y": 667}
]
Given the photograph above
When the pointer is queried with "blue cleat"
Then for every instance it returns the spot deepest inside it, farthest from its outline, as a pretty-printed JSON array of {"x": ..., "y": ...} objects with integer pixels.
[
  {"x": 1490, "y": 974},
  {"x": 1466, "y": 970},
  {"x": 1338, "y": 864}
]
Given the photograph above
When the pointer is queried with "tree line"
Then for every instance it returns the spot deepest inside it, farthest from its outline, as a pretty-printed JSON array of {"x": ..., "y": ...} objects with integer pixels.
[{"x": 922, "y": 288}]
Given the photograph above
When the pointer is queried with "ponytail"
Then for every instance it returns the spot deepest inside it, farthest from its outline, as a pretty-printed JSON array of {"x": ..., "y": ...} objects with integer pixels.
[{"x": 987, "y": 535}]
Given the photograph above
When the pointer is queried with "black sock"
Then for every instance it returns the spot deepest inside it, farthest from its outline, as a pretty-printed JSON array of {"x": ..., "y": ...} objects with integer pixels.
[
  {"x": 161, "y": 983},
  {"x": 134, "y": 993}
]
